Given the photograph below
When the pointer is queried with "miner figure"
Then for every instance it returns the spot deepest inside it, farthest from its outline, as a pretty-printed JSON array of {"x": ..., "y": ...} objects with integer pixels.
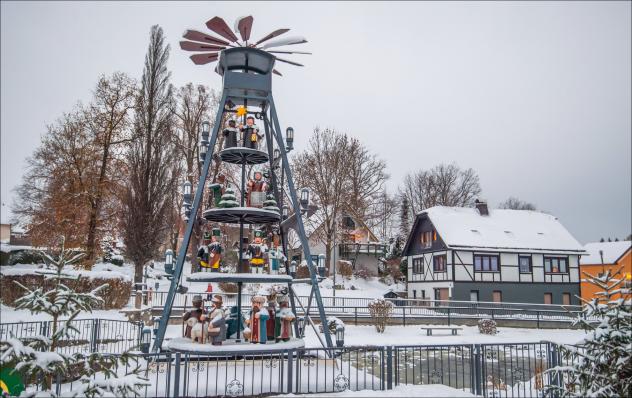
[
  {"x": 230, "y": 134},
  {"x": 194, "y": 319},
  {"x": 250, "y": 133},
  {"x": 256, "y": 252}
]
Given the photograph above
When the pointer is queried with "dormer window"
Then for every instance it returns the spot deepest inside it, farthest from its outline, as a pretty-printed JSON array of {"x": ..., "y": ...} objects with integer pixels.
[{"x": 426, "y": 239}]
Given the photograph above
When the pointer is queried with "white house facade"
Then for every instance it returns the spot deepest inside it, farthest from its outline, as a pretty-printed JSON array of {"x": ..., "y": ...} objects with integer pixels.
[{"x": 480, "y": 254}]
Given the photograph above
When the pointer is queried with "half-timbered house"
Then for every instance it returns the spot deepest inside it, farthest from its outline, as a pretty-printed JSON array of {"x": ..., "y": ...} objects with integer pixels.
[{"x": 481, "y": 254}]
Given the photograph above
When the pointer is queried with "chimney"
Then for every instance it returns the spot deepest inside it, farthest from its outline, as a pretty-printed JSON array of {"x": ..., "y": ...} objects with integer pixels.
[{"x": 481, "y": 206}]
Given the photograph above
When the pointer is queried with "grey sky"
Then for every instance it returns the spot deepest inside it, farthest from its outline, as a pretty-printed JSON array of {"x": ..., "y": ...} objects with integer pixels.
[{"x": 536, "y": 97}]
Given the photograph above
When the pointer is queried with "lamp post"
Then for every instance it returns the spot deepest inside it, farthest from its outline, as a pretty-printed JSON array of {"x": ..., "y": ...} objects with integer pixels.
[
  {"x": 340, "y": 337},
  {"x": 205, "y": 130},
  {"x": 285, "y": 212},
  {"x": 289, "y": 139},
  {"x": 169, "y": 261}
]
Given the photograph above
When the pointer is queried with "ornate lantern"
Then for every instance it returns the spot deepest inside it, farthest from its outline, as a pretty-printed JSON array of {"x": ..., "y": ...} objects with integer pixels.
[
  {"x": 276, "y": 154},
  {"x": 300, "y": 322},
  {"x": 289, "y": 138},
  {"x": 304, "y": 200},
  {"x": 169, "y": 261},
  {"x": 206, "y": 129},
  {"x": 186, "y": 190},
  {"x": 340, "y": 337},
  {"x": 321, "y": 265},
  {"x": 293, "y": 268},
  {"x": 285, "y": 212},
  {"x": 145, "y": 340}
]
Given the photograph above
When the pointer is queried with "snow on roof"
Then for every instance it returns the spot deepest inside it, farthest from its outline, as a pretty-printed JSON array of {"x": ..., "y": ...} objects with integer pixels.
[
  {"x": 612, "y": 251},
  {"x": 501, "y": 229}
]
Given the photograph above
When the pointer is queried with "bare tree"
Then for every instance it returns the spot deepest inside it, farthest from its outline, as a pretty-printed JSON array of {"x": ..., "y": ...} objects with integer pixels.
[
  {"x": 148, "y": 196},
  {"x": 108, "y": 120},
  {"x": 443, "y": 185},
  {"x": 514, "y": 203},
  {"x": 322, "y": 168}
]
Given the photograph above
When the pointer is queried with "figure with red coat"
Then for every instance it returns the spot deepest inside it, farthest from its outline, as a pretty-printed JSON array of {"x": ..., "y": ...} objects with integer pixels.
[
  {"x": 257, "y": 322},
  {"x": 256, "y": 188},
  {"x": 284, "y": 319}
]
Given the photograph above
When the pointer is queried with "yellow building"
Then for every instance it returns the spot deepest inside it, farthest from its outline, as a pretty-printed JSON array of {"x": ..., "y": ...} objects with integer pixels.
[{"x": 601, "y": 257}]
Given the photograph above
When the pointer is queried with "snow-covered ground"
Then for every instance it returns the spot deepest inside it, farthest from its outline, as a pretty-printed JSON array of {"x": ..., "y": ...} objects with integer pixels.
[
  {"x": 428, "y": 390},
  {"x": 99, "y": 270}
]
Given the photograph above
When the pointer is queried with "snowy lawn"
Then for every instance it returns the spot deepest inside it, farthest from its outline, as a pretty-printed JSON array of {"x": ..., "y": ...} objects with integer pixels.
[
  {"x": 429, "y": 390},
  {"x": 413, "y": 335}
]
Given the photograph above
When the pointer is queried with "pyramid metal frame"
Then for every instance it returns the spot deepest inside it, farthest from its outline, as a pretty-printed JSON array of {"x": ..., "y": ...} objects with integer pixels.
[{"x": 241, "y": 86}]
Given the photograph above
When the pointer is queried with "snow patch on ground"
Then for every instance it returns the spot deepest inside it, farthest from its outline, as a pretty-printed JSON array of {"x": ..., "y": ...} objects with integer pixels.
[{"x": 99, "y": 270}]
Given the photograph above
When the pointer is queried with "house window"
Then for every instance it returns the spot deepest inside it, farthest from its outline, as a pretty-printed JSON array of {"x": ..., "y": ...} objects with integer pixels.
[
  {"x": 548, "y": 298},
  {"x": 566, "y": 298},
  {"x": 418, "y": 265},
  {"x": 555, "y": 265},
  {"x": 426, "y": 239},
  {"x": 497, "y": 296},
  {"x": 474, "y": 295},
  {"x": 414, "y": 294},
  {"x": 439, "y": 263},
  {"x": 524, "y": 264},
  {"x": 486, "y": 263}
]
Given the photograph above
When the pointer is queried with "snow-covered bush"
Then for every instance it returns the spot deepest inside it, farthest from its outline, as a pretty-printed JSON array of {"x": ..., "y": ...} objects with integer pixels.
[
  {"x": 333, "y": 324},
  {"x": 302, "y": 271},
  {"x": 362, "y": 273},
  {"x": 601, "y": 364},
  {"x": 381, "y": 312},
  {"x": 25, "y": 257},
  {"x": 487, "y": 326},
  {"x": 228, "y": 287},
  {"x": 36, "y": 358}
]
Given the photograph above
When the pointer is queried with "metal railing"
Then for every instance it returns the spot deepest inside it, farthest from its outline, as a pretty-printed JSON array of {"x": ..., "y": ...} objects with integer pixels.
[
  {"x": 92, "y": 335},
  {"x": 406, "y": 311},
  {"x": 490, "y": 370}
]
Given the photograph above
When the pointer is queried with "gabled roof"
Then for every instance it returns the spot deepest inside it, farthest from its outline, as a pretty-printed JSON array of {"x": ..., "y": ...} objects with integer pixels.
[
  {"x": 612, "y": 252},
  {"x": 502, "y": 229}
]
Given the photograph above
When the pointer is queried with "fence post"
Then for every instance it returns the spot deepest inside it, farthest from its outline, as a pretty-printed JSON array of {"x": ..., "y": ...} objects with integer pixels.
[
  {"x": 404, "y": 315},
  {"x": 176, "y": 377},
  {"x": 477, "y": 371},
  {"x": 355, "y": 315},
  {"x": 448, "y": 315},
  {"x": 554, "y": 360},
  {"x": 492, "y": 313},
  {"x": 290, "y": 365},
  {"x": 538, "y": 317},
  {"x": 94, "y": 336},
  {"x": 389, "y": 367}
]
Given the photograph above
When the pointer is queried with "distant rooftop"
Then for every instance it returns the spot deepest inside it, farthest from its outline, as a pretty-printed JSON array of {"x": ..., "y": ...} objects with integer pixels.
[{"x": 612, "y": 251}]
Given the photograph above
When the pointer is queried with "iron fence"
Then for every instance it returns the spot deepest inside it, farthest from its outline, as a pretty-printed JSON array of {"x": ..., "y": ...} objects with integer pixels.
[
  {"x": 92, "y": 335},
  {"x": 490, "y": 370}
]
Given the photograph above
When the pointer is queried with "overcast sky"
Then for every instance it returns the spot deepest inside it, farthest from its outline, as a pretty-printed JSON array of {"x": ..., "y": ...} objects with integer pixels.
[{"x": 535, "y": 96}]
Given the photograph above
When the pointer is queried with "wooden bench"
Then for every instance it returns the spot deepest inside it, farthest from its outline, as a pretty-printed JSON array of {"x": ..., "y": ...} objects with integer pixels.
[{"x": 429, "y": 329}]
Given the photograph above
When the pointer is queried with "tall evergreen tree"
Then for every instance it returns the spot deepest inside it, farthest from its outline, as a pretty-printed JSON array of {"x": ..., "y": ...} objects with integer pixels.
[{"x": 151, "y": 159}]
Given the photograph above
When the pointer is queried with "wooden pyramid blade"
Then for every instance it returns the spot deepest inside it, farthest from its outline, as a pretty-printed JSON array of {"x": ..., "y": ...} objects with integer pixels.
[
  {"x": 274, "y": 34},
  {"x": 276, "y": 72},
  {"x": 285, "y": 42},
  {"x": 243, "y": 25},
  {"x": 203, "y": 59},
  {"x": 193, "y": 46},
  {"x": 219, "y": 26},
  {"x": 289, "y": 62},
  {"x": 289, "y": 52},
  {"x": 203, "y": 37}
]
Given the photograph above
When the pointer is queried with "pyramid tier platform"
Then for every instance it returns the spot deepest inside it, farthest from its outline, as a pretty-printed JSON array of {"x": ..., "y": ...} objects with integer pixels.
[
  {"x": 229, "y": 347},
  {"x": 247, "y": 215},
  {"x": 238, "y": 277},
  {"x": 243, "y": 155}
]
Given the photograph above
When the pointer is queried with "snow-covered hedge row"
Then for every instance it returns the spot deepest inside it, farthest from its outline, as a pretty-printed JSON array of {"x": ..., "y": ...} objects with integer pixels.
[{"x": 115, "y": 296}]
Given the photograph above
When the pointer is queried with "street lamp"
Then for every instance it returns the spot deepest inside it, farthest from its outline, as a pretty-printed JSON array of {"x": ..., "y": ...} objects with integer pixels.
[
  {"x": 289, "y": 138},
  {"x": 276, "y": 153},
  {"x": 304, "y": 201},
  {"x": 321, "y": 265},
  {"x": 293, "y": 268},
  {"x": 169, "y": 261},
  {"x": 286, "y": 211},
  {"x": 203, "y": 150},
  {"x": 206, "y": 129}
]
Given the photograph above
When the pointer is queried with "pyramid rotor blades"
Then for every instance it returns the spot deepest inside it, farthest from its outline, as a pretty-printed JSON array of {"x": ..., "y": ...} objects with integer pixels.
[
  {"x": 289, "y": 52},
  {"x": 219, "y": 26},
  {"x": 203, "y": 59},
  {"x": 203, "y": 37},
  {"x": 289, "y": 62},
  {"x": 272, "y": 35},
  {"x": 276, "y": 72},
  {"x": 285, "y": 42},
  {"x": 193, "y": 46},
  {"x": 243, "y": 25}
]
